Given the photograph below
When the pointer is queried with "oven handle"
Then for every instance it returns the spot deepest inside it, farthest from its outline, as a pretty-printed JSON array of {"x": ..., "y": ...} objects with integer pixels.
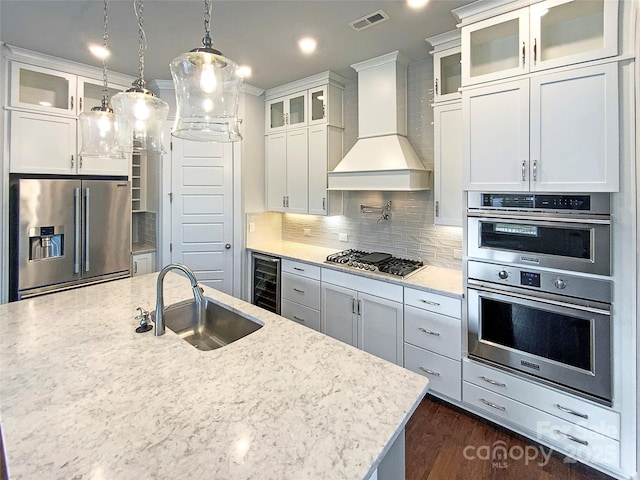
[
  {"x": 532, "y": 298},
  {"x": 506, "y": 216}
]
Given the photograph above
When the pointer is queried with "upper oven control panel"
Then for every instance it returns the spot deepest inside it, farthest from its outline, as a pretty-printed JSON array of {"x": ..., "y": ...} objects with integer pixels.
[{"x": 529, "y": 202}]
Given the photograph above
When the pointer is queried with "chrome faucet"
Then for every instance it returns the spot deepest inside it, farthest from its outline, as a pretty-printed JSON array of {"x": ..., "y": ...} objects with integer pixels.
[{"x": 198, "y": 294}]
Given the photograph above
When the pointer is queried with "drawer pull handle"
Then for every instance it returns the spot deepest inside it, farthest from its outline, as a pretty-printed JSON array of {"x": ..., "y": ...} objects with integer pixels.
[
  {"x": 299, "y": 269},
  {"x": 428, "y": 332},
  {"x": 295, "y": 317},
  {"x": 429, "y": 302},
  {"x": 493, "y": 382},
  {"x": 571, "y": 437},
  {"x": 298, "y": 290},
  {"x": 572, "y": 412},
  {"x": 493, "y": 405},
  {"x": 430, "y": 372}
]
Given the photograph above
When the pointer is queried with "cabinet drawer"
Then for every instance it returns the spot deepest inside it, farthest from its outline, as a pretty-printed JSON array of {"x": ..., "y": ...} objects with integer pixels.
[
  {"x": 301, "y": 314},
  {"x": 433, "y": 331},
  {"x": 575, "y": 440},
  {"x": 378, "y": 288},
  {"x": 559, "y": 404},
  {"x": 433, "y": 302},
  {"x": 302, "y": 290},
  {"x": 443, "y": 373},
  {"x": 301, "y": 268}
]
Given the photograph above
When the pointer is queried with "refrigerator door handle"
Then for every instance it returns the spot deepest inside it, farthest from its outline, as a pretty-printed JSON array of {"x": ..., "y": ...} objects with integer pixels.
[
  {"x": 86, "y": 229},
  {"x": 76, "y": 228}
]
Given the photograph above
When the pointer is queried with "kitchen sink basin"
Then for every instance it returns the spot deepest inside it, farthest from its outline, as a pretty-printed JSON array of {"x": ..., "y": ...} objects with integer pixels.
[{"x": 215, "y": 327}]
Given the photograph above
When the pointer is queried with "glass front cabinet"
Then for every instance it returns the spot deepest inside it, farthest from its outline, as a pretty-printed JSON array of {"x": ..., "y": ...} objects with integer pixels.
[
  {"x": 545, "y": 35},
  {"x": 43, "y": 89},
  {"x": 287, "y": 112}
]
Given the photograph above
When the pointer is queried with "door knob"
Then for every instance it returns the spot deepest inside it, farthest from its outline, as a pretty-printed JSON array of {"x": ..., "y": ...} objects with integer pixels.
[{"x": 227, "y": 246}]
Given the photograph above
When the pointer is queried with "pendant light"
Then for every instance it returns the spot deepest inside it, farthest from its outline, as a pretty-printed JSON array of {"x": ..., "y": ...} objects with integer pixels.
[
  {"x": 98, "y": 126},
  {"x": 207, "y": 86},
  {"x": 140, "y": 115}
]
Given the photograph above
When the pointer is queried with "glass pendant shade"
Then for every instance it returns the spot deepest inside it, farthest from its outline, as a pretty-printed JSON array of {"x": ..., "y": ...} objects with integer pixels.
[
  {"x": 207, "y": 86},
  {"x": 98, "y": 133},
  {"x": 140, "y": 117}
]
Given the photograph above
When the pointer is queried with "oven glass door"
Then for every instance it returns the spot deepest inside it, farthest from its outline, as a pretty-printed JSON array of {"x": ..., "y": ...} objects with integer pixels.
[
  {"x": 559, "y": 342},
  {"x": 579, "y": 247}
]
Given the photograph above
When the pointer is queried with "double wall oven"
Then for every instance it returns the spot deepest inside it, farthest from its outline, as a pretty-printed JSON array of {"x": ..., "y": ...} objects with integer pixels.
[{"x": 539, "y": 288}]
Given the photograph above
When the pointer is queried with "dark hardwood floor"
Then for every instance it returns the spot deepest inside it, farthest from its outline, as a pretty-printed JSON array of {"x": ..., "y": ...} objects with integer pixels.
[{"x": 445, "y": 443}]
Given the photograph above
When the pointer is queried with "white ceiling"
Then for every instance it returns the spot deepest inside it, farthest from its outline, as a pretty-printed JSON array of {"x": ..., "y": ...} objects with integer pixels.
[{"x": 259, "y": 33}]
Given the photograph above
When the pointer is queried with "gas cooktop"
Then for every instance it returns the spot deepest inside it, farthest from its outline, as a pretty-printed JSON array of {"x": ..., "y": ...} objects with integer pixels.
[{"x": 378, "y": 262}]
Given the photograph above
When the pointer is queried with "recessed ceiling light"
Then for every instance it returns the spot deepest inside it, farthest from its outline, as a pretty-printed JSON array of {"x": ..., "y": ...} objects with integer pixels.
[
  {"x": 99, "y": 51},
  {"x": 307, "y": 45},
  {"x": 417, "y": 3},
  {"x": 244, "y": 71}
]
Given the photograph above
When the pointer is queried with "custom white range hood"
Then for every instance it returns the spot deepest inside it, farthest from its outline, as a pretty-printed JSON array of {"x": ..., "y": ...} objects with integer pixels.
[{"x": 382, "y": 158}]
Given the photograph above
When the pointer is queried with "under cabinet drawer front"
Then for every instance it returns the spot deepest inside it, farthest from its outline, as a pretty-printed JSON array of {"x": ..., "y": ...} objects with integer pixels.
[
  {"x": 573, "y": 439},
  {"x": 433, "y": 302},
  {"x": 559, "y": 404},
  {"x": 378, "y": 288},
  {"x": 301, "y": 268},
  {"x": 301, "y": 314},
  {"x": 443, "y": 373},
  {"x": 302, "y": 290},
  {"x": 435, "y": 332}
]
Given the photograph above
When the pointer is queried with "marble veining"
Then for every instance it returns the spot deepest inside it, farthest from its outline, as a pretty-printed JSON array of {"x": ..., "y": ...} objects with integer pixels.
[
  {"x": 434, "y": 279},
  {"x": 84, "y": 396}
]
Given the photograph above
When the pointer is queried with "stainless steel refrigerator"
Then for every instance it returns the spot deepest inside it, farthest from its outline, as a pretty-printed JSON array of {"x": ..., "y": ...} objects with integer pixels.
[{"x": 66, "y": 232}]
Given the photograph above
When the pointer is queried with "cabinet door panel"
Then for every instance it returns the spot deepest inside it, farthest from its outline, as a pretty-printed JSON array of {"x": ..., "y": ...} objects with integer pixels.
[
  {"x": 42, "y": 89},
  {"x": 447, "y": 126},
  {"x": 42, "y": 144},
  {"x": 574, "y": 142},
  {"x": 338, "y": 313},
  {"x": 297, "y": 171},
  {"x": 318, "y": 170},
  {"x": 276, "y": 171},
  {"x": 496, "y": 137},
  {"x": 380, "y": 327}
]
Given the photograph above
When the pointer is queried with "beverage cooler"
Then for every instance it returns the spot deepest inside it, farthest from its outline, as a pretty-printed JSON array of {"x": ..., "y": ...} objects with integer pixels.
[{"x": 265, "y": 286}]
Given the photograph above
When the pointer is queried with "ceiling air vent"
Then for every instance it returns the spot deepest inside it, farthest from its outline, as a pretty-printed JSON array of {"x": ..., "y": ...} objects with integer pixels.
[{"x": 369, "y": 20}]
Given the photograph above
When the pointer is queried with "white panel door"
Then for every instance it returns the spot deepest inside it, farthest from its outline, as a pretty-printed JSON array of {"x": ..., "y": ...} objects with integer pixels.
[
  {"x": 42, "y": 144},
  {"x": 318, "y": 170},
  {"x": 297, "y": 171},
  {"x": 276, "y": 171},
  {"x": 447, "y": 126},
  {"x": 496, "y": 137},
  {"x": 202, "y": 211},
  {"x": 380, "y": 327},
  {"x": 574, "y": 130}
]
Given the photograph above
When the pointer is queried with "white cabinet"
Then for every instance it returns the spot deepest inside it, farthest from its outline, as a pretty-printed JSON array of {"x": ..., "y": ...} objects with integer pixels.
[
  {"x": 325, "y": 152},
  {"x": 545, "y": 35},
  {"x": 143, "y": 263},
  {"x": 44, "y": 132},
  {"x": 287, "y": 171},
  {"x": 447, "y": 127},
  {"x": 552, "y": 132},
  {"x": 287, "y": 112},
  {"x": 447, "y": 66},
  {"x": 300, "y": 291},
  {"x": 304, "y": 142},
  {"x": 433, "y": 340},
  {"x": 577, "y": 427},
  {"x": 371, "y": 321}
]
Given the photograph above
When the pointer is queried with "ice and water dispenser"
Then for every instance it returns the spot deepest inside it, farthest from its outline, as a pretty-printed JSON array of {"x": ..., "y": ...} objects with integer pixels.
[{"x": 46, "y": 242}]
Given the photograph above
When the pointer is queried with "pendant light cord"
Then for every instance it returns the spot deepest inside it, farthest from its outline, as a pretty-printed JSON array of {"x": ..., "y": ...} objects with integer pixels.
[
  {"x": 142, "y": 44},
  {"x": 105, "y": 37},
  {"x": 208, "y": 7}
]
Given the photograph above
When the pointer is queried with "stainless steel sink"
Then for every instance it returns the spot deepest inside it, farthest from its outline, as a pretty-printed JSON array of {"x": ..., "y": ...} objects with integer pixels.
[{"x": 215, "y": 327}]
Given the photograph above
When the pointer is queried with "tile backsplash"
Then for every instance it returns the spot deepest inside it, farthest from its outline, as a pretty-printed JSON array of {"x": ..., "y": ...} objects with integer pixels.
[
  {"x": 143, "y": 228},
  {"x": 410, "y": 230}
]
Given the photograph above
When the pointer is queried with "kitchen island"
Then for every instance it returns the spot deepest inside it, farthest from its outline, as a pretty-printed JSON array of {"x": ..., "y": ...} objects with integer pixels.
[{"x": 84, "y": 396}]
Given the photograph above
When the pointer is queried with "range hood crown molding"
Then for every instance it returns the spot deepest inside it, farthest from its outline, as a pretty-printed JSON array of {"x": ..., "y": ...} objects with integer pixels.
[{"x": 382, "y": 157}]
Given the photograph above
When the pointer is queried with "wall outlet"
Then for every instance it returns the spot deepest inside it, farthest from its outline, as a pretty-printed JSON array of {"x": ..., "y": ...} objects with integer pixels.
[
  {"x": 343, "y": 237},
  {"x": 306, "y": 232},
  {"x": 252, "y": 227}
]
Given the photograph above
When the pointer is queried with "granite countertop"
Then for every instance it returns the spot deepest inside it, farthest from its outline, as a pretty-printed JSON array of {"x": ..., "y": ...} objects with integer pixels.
[
  {"x": 434, "y": 279},
  {"x": 84, "y": 396}
]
